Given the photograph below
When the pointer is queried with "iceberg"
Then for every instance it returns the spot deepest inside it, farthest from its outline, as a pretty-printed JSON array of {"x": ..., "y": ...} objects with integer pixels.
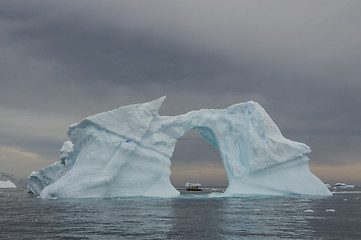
[
  {"x": 126, "y": 152},
  {"x": 7, "y": 184}
]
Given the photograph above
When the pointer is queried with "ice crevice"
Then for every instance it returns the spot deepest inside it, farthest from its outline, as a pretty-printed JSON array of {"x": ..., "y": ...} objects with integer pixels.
[{"x": 126, "y": 152}]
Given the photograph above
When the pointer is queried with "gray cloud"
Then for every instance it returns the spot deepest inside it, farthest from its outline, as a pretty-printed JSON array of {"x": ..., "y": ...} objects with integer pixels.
[{"x": 300, "y": 60}]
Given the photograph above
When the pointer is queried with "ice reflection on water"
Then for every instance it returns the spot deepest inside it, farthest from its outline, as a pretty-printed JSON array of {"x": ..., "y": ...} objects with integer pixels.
[{"x": 190, "y": 216}]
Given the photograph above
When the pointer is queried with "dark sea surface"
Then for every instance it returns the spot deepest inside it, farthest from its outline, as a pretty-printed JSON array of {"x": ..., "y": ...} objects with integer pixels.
[{"x": 189, "y": 216}]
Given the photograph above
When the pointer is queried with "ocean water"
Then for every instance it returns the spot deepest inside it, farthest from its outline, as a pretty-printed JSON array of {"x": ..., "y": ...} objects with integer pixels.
[{"x": 189, "y": 216}]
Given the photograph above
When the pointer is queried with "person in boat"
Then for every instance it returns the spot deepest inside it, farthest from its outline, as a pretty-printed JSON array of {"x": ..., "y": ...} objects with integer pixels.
[{"x": 193, "y": 187}]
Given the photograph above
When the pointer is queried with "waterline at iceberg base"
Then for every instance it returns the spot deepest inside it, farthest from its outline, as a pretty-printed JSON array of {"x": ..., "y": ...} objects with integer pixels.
[{"x": 127, "y": 151}]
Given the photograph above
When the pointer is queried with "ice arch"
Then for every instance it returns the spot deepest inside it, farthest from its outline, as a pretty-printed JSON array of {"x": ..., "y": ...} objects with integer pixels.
[
  {"x": 196, "y": 160},
  {"x": 127, "y": 151}
]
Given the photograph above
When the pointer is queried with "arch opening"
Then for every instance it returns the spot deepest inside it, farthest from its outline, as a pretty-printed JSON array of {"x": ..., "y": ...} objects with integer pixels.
[{"x": 196, "y": 159}]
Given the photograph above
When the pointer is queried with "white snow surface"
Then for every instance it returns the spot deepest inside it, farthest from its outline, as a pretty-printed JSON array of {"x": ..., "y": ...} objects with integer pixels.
[
  {"x": 7, "y": 184},
  {"x": 127, "y": 152}
]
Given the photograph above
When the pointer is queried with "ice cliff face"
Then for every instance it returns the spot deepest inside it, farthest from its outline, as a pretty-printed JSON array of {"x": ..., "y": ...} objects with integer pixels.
[{"x": 127, "y": 151}]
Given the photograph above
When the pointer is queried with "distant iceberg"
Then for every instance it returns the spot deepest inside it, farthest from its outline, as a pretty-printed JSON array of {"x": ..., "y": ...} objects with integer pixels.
[
  {"x": 343, "y": 186},
  {"x": 7, "y": 184},
  {"x": 127, "y": 152}
]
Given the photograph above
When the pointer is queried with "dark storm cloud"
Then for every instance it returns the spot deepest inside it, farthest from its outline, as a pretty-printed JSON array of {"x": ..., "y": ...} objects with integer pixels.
[
  {"x": 87, "y": 55},
  {"x": 300, "y": 60}
]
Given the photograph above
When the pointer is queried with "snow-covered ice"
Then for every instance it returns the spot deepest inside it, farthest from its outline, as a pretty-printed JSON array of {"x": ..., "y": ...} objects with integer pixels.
[
  {"x": 330, "y": 210},
  {"x": 127, "y": 152},
  {"x": 308, "y": 211},
  {"x": 7, "y": 184}
]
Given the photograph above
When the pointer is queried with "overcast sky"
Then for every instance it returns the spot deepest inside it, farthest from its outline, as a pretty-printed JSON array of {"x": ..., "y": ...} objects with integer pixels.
[{"x": 61, "y": 61}]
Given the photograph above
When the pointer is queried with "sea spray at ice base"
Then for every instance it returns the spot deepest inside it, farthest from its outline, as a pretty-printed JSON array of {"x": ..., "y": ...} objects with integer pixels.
[{"x": 127, "y": 151}]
